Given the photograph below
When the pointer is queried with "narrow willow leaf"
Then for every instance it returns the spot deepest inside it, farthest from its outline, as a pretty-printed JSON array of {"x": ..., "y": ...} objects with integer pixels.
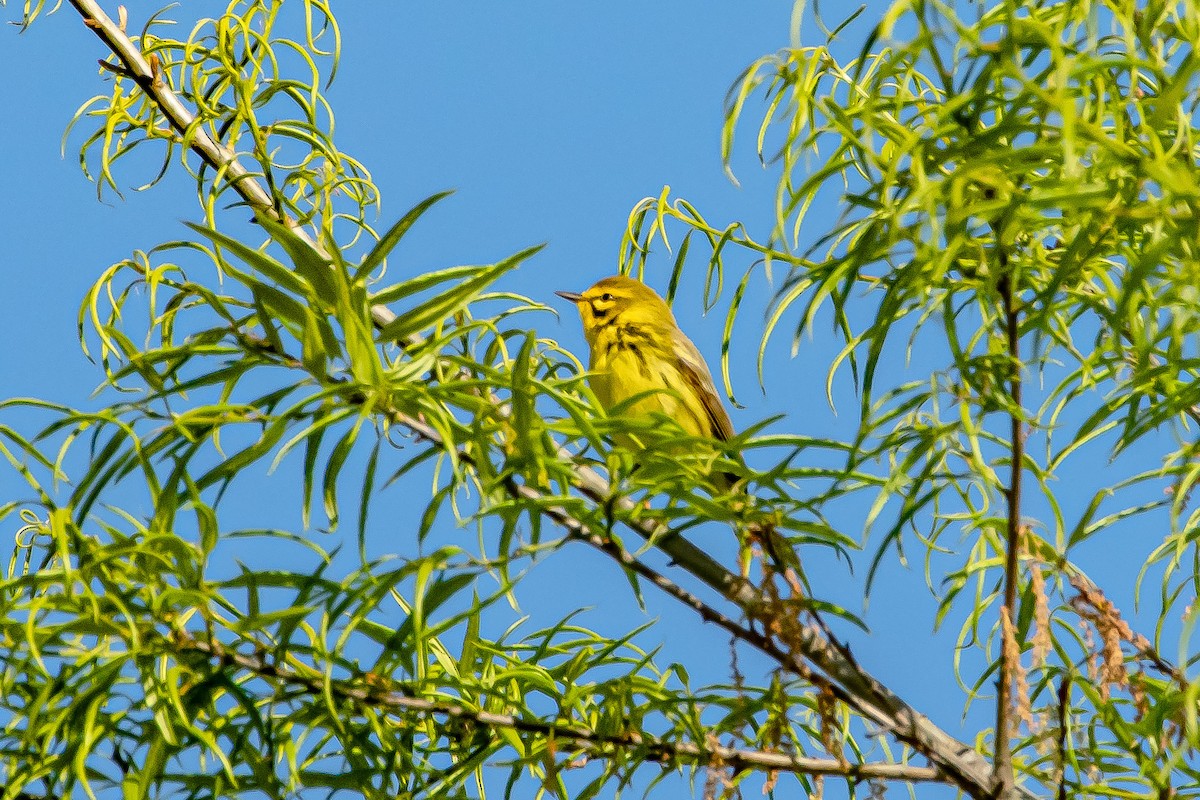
[
  {"x": 283, "y": 307},
  {"x": 677, "y": 267},
  {"x": 333, "y": 467},
  {"x": 327, "y": 276},
  {"x": 312, "y": 344},
  {"x": 451, "y": 301},
  {"x": 365, "y": 497},
  {"x": 389, "y": 240},
  {"x": 727, "y": 336},
  {"x": 257, "y": 259}
]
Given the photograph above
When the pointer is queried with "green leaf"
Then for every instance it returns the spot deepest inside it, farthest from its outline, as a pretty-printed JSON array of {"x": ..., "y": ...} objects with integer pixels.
[
  {"x": 423, "y": 282},
  {"x": 257, "y": 259},
  {"x": 312, "y": 343},
  {"x": 451, "y": 301},
  {"x": 326, "y": 276},
  {"x": 394, "y": 234},
  {"x": 333, "y": 467}
]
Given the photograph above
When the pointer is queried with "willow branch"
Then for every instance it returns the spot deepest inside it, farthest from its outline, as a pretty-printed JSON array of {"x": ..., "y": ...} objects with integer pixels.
[
  {"x": 580, "y": 531},
  {"x": 136, "y": 67},
  {"x": 957, "y": 761},
  {"x": 583, "y": 739},
  {"x": 1003, "y": 774}
]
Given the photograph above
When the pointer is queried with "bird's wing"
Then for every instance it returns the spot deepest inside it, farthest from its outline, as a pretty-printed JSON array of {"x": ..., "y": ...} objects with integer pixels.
[{"x": 696, "y": 373}]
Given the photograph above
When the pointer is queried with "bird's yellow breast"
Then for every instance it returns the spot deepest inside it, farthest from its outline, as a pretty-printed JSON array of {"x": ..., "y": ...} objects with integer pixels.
[{"x": 621, "y": 371}]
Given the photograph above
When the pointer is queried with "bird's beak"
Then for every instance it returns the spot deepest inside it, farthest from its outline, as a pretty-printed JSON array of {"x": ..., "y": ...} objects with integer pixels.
[{"x": 572, "y": 296}]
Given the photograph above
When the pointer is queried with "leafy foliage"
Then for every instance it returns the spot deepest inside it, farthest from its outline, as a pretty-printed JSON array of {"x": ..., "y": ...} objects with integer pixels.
[
  {"x": 1018, "y": 189},
  {"x": 1019, "y": 179}
]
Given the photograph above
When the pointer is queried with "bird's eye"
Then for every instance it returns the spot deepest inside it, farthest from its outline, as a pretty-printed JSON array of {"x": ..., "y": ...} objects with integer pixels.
[{"x": 606, "y": 298}]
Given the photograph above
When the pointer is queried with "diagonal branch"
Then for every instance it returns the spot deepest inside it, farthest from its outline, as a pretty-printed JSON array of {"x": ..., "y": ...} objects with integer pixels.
[
  {"x": 957, "y": 761},
  {"x": 609, "y": 546},
  {"x": 804, "y": 645},
  {"x": 146, "y": 75},
  {"x": 584, "y": 740}
]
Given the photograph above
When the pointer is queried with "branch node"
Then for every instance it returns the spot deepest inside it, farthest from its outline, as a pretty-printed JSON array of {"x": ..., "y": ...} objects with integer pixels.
[
  {"x": 116, "y": 69},
  {"x": 156, "y": 78}
]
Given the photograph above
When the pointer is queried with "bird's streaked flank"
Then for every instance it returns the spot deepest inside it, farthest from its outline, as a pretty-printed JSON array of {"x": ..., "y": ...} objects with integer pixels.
[
  {"x": 638, "y": 351},
  {"x": 642, "y": 364}
]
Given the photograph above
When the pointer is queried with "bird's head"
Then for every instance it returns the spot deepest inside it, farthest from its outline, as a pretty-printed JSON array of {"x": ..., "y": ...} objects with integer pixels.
[{"x": 620, "y": 301}]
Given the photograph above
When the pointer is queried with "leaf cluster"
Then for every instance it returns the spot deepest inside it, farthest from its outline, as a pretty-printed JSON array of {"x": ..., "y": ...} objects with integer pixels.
[{"x": 1012, "y": 287}]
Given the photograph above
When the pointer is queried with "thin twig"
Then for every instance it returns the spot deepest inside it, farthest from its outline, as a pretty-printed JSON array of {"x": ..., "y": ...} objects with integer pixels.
[
  {"x": 584, "y": 739},
  {"x": 1064, "y": 700},
  {"x": 1003, "y": 767},
  {"x": 581, "y": 532}
]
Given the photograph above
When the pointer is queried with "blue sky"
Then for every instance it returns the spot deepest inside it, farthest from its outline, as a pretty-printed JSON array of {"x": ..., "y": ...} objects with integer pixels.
[{"x": 550, "y": 120}]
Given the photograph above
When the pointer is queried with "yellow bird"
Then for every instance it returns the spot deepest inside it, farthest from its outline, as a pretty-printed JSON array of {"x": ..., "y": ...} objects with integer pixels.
[{"x": 637, "y": 349}]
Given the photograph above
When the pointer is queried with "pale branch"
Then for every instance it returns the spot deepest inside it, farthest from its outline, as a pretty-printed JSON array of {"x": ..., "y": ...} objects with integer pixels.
[
  {"x": 146, "y": 75},
  {"x": 953, "y": 759},
  {"x": 609, "y": 546},
  {"x": 584, "y": 740}
]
